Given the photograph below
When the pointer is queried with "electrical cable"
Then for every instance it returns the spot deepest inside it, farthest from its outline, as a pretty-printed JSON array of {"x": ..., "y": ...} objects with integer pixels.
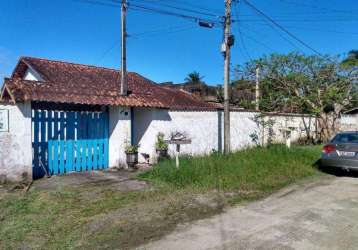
[{"x": 281, "y": 27}]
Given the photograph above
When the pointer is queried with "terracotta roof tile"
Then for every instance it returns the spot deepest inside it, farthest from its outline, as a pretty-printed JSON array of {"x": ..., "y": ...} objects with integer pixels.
[{"x": 82, "y": 84}]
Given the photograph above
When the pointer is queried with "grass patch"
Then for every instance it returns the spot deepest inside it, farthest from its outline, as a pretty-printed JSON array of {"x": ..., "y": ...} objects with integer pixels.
[
  {"x": 251, "y": 171},
  {"x": 99, "y": 216}
]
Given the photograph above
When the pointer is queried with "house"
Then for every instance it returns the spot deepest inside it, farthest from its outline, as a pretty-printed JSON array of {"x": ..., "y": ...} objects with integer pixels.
[
  {"x": 200, "y": 90},
  {"x": 58, "y": 117}
]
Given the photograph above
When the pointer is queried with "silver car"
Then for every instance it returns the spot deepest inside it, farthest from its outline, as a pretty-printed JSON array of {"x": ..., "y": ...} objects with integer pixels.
[{"x": 341, "y": 151}]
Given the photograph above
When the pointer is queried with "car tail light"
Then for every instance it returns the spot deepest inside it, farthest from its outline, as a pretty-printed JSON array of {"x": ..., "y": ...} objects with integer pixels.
[{"x": 329, "y": 148}]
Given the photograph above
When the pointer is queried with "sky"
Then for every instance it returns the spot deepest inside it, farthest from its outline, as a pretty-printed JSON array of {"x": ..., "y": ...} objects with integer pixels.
[{"x": 167, "y": 48}]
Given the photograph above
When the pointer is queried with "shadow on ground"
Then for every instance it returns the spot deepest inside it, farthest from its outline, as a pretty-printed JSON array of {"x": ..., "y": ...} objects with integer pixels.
[{"x": 338, "y": 172}]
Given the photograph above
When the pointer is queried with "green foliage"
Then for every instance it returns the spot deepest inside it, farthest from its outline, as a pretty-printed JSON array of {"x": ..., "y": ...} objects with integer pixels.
[
  {"x": 351, "y": 60},
  {"x": 194, "y": 77},
  {"x": 246, "y": 104},
  {"x": 264, "y": 123},
  {"x": 131, "y": 149},
  {"x": 316, "y": 85},
  {"x": 160, "y": 143},
  {"x": 255, "y": 138},
  {"x": 257, "y": 170},
  {"x": 220, "y": 94},
  {"x": 305, "y": 84}
]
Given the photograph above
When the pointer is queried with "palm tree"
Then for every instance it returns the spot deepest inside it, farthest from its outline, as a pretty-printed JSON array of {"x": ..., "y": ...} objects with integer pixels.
[{"x": 194, "y": 77}]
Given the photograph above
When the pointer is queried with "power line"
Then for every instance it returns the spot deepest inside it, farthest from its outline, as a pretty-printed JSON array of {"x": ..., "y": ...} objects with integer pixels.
[
  {"x": 281, "y": 27},
  {"x": 323, "y": 30},
  {"x": 240, "y": 35},
  {"x": 281, "y": 35},
  {"x": 179, "y": 8},
  {"x": 196, "y": 6},
  {"x": 313, "y": 13},
  {"x": 319, "y": 7},
  {"x": 106, "y": 52},
  {"x": 161, "y": 32},
  {"x": 303, "y": 20},
  {"x": 311, "y": 29},
  {"x": 258, "y": 42},
  {"x": 183, "y": 3},
  {"x": 98, "y": 3},
  {"x": 136, "y": 7},
  {"x": 169, "y": 13}
]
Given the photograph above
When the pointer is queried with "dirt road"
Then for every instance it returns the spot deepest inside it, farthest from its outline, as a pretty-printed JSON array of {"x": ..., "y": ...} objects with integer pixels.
[{"x": 322, "y": 214}]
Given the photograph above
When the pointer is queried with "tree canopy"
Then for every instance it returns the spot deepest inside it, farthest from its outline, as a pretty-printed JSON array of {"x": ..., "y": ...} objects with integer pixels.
[
  {"x": 194, "y": 77},
  {"x": 352, "y": 59},
  {"x": 321, "y": 86}
]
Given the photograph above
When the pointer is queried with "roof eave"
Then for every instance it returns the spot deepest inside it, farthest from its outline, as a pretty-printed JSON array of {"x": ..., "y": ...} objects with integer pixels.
[
  {"x": 5, "y": 88},
  {"x": 23, "y": 60}
]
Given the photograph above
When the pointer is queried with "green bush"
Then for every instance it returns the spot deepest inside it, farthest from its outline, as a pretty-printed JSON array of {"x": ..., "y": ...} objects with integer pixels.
[
  {"x": 160, "y": 143},
  {"x": 131, "y": 149}
]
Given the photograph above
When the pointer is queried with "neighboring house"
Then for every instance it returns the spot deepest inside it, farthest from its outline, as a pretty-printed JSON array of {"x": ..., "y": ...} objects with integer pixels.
[
  {"x": 61, "y": 117},
  {"x": 200, "y": 90},
  {"x": 349, "y": 120}
]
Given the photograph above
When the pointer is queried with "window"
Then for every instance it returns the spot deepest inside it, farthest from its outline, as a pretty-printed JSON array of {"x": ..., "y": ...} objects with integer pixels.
[{"x": 346, "y": 138}]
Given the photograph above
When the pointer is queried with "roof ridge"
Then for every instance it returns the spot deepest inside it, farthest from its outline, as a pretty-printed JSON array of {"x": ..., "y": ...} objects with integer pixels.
[
  {"x": 86, "y": 65},
  {"x": 72, "y": 63},
  {"x": 64, "y": 76}
]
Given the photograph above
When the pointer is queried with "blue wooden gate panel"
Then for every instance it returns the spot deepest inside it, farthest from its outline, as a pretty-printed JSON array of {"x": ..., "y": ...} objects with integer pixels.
[
  {"x": 83, "y": 155},
  {"x": 69, "y": 141}
]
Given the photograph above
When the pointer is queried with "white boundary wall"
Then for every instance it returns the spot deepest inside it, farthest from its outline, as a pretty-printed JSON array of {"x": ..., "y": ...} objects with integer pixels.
[
  {"x": 119, "y": 134},
  {"x": 206, "y": 129},
  {"x": 349, "y": 122},
  {"x": 15, "y": 144}
]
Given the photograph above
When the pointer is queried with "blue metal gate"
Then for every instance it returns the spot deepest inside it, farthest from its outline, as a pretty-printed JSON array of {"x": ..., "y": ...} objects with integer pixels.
[{"x": 67, "y": 141}]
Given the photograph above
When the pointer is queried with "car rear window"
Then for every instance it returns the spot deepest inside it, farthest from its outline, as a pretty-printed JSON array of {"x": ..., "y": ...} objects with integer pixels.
[{"x": 346, "y": 138}]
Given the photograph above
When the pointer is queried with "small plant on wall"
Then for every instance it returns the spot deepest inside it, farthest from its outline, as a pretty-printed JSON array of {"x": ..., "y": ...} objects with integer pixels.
[
  {"x": 131, "y": 151},
  {"x": 263, "y": 123},
  {"x": 161, "y": 146}
]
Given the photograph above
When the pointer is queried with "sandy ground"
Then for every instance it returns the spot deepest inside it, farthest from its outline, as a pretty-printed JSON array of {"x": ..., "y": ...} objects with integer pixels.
[{"x": 322, "y": 214}]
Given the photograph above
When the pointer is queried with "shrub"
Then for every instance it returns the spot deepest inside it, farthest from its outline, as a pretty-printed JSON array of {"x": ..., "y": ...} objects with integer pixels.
[
  {"x": 131, "y": 149},
  {"x": 160, "y": 143}
]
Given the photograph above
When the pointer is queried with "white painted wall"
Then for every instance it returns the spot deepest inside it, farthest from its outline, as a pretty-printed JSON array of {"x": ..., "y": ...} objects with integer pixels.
[
  {"x": 205, "y": 128},
  {"x": 296, "y": 124},
  {"x": 201, "y": 127},
  {"x": 349, "y": 122},
  {"x": 119, "y": 134},
  {"x": 32, "y": 75},
  {"x": 15, "y": 145}
]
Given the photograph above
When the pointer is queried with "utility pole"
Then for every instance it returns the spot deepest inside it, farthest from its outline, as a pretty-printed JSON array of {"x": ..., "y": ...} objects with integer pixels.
[
  {"x": 257, "y": 88},
  {"x": 228, "y": 42},
  {"x": 124, "y": 86}
]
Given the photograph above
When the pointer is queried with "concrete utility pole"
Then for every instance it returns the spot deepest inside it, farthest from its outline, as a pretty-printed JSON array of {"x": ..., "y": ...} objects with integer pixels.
[
  {"x": 124, "y": 86},
  {"x": 228, "y": 42},
  {"x": 257, "y": 89}
]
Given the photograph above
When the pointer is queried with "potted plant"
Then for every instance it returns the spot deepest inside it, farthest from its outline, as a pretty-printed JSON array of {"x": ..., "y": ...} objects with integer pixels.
[
  {"x": 161, "y": 146},
  {"x": 132, "y": 155}
]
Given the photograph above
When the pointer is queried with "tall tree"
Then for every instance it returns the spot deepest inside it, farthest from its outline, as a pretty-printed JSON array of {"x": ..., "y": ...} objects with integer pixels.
[
  {"x": 351, "y": 63},
  {"x": 351, "y": 60},
  {"x": 320, "y": 86},
  {"x": 194, "y": 77}
]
